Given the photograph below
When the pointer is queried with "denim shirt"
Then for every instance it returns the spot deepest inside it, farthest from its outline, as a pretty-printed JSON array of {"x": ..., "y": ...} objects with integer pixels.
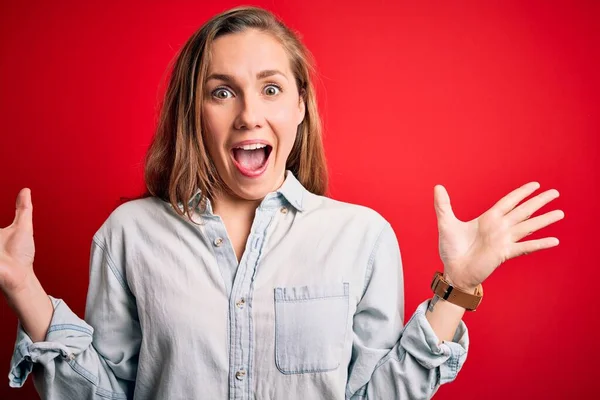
[{"x": 313, "y": 310}]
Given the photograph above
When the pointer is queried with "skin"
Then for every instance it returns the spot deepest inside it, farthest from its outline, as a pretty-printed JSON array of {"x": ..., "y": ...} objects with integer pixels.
[
  {"x": 471, "y": 251},
  {"x": 249, "y": 107},
  {"x": 241, "y": 104}
]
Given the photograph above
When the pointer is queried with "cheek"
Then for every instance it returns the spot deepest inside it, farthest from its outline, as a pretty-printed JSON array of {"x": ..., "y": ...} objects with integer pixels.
[
  {"x": 215, "y": 128},
  {"x": 210, "y": 116},
  {"x": 213, "y": 135},
  {"x": 283, "y": 119}
]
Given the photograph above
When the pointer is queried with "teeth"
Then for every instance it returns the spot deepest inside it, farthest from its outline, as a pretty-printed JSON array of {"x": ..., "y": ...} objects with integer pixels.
[{"x": 252, "y": 146}]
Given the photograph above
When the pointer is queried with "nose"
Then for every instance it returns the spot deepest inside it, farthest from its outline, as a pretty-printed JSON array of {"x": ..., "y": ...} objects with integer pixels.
[{"x": 250, "y": 114}]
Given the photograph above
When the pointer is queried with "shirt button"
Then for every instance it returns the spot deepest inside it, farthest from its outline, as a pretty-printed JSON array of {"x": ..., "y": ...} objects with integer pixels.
[
  {"x": 218, "y": 242},
  {"x": 283, "y": 210},
  {"x": 240, "y": 375},
  {"x": 240, "y": 303}
]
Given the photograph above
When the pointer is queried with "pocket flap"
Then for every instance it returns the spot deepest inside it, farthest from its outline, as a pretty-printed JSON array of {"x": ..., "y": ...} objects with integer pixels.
[{"x": 312, "y": 292}]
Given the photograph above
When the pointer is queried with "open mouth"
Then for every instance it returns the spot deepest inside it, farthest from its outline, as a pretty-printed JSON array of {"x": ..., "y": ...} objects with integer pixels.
[{"x": 251, "y": 159}]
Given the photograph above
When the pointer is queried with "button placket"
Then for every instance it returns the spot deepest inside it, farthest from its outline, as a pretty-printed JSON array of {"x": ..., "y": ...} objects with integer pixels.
[
  {"x": 240, "y": 375},
  {"x": 240, "y": 303},
  {"x": 241, "y": 294}
]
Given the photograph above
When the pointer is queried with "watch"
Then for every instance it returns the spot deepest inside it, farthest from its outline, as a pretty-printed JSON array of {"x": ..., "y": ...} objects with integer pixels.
[{"x": 444, "y": 290}]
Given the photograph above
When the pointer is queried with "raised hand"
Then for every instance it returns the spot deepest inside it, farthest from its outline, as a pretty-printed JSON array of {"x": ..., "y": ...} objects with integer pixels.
[
  {"x": 472, "y": 250},
  {"x": 17, "y": 248}
]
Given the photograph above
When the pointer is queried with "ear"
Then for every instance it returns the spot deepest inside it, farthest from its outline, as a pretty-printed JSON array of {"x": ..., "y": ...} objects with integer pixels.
[{"x": 301, "y": 108}]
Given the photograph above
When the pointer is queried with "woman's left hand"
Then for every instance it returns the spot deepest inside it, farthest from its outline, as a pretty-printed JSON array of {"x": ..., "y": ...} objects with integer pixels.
[{"x": 472, "y": 250}]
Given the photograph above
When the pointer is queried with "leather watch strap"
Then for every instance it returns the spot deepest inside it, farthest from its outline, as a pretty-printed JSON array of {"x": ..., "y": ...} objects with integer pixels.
[{"x": 455, "y": 295}]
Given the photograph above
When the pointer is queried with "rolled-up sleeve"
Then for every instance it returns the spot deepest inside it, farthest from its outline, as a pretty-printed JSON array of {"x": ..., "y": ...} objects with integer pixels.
[
  {"x": 91, "y": 358},
  {"x": 391, "y": 360}
]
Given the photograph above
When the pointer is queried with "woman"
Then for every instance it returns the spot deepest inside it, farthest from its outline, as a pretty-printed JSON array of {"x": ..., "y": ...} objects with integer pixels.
[{"x": 278, "y": 292}]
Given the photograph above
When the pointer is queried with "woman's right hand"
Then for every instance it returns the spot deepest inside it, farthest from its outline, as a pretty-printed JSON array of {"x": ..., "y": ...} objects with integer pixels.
[{"x": 17, "y": 248}]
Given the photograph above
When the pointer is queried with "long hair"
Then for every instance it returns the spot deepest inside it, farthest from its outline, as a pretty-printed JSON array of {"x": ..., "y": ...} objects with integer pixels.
[{"x": 177, "y": 162}]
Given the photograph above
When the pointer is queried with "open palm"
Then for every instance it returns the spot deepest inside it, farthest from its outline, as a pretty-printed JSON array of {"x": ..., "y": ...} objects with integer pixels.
[
  {"x": 17, "y": 248},
  {"x": 472, "y": 250}
]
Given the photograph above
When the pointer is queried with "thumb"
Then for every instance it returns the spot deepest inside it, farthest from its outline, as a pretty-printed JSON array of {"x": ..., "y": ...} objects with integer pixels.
[
  {"x": 441, "y": 203},
  {"x": 24, "y": 211}
]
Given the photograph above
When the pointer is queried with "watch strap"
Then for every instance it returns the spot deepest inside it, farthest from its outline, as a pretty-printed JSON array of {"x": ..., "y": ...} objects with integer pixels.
[{"x": 455, "y": 295}]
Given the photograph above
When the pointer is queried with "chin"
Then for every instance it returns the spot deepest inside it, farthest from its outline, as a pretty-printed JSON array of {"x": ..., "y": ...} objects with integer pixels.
[{"x": 254, "y": 188}]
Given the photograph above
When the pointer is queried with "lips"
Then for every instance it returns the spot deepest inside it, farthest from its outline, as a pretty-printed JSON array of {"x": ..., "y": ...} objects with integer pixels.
[
  {"x": 250, "y": 142},
  {"x": 251, "y": 157}
]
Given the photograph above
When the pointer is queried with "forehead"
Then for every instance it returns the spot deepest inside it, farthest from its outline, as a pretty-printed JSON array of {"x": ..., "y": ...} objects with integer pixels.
[{"x": 247, "y": 53}]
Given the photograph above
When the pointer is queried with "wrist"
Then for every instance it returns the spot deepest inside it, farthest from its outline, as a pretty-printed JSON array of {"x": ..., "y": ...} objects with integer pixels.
[
  {"x": 455, "y": 294},
  {"x": 33, "y": 308},
  {"x": 30, "y": 289},
  {"x": 458, "y": 284}
]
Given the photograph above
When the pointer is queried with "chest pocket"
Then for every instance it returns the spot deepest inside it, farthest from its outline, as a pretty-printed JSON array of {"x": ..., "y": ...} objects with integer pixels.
[{"x": 310, "y": 327}]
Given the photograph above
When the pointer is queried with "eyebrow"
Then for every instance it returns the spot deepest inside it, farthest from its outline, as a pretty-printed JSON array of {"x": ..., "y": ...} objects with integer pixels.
[{"x": 261, "y": 75}]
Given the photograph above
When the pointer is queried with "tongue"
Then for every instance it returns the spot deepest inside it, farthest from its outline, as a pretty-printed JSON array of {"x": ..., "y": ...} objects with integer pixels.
[{"x": 250, "y": 159}]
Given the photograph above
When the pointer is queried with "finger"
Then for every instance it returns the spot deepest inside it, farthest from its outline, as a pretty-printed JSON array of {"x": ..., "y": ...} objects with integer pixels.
[
  {"x": 531, "y": 246},
  {"x": 24, "y": 211},
  {"x": 529, "y": 226},
  {"x": 525, "y": 210},
  {"x": 508, "y": 202},
  {"x": 441, "y": 202}
]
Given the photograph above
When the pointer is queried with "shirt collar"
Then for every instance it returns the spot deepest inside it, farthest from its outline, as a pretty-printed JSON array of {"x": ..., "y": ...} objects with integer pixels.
[{"x": 291, "y": 189}]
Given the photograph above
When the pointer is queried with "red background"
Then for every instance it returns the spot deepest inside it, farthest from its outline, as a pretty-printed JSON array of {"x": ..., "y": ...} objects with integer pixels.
[{"x": 481, "y": 97}]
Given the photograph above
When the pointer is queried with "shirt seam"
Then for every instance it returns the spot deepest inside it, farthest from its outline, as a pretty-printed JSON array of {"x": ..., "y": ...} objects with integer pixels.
[
  {"x": 94, "y": 380},
  {"x": 112, "y": 265},
  {"x": 62, "y": 327},
  {"x": 370, "y": 262}
]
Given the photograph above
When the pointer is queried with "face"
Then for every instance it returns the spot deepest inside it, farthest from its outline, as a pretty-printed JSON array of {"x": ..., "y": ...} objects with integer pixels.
[{"x": 251, "y": 112}]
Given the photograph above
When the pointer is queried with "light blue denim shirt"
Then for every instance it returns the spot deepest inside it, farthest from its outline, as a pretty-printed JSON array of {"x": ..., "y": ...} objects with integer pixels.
[{"x": 313, "y": 310}]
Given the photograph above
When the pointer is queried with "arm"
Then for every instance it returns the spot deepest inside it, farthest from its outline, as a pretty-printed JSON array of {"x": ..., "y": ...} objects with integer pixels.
[
  {"x": 83, "y": 359},
  {"x": 445, "y": 318},
  {"x": 33, "y": 308},
  {"x": 391, "y": 360}
]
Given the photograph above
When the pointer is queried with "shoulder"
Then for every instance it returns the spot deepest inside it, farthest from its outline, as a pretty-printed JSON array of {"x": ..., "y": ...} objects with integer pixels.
[
  {"x": 347, "y": 214},
  {"x": 355, "y": 227},
  {"x": 134, "y": 216}
]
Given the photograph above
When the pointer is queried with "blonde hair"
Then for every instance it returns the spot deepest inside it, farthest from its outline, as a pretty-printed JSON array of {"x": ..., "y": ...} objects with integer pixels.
[{"x": 177, "y": 162}]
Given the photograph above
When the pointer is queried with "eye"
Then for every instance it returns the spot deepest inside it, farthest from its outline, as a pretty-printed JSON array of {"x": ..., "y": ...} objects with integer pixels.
[
  {"x": 222, "y": 93},
  {"x": 272, "y": 89}
]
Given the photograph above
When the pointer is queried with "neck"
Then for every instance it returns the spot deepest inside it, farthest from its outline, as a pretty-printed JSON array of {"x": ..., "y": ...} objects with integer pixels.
[{"x": 225, "y": 204}]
